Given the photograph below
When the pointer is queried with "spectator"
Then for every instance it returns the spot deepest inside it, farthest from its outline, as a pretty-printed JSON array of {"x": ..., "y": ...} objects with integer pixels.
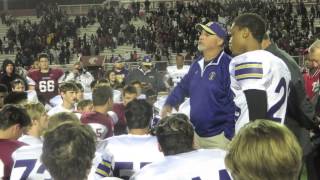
[
  {"x": 311, "y": 77},
  {"x": 80, "y": 75},
  {"x": 8, "y": 74},
  {"x": 12, "y": 121},
  {"x": 147, "y": 74},
  {"x": 111, "y": 77},
  {"x": 3, "y": 94},
  {"x": 18, "y": 98}
]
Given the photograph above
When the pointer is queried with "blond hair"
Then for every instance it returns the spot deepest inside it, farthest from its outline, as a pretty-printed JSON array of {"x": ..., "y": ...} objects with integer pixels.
[
  {"x": 315, "y": 45},
  {"x": 62, "y": 117},
  {"x": 264, "y": 150},
  {"x": 35, "y": 110}
]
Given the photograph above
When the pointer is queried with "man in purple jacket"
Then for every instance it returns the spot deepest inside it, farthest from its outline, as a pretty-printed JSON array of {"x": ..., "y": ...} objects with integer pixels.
[{"x": 212, "y": 110}]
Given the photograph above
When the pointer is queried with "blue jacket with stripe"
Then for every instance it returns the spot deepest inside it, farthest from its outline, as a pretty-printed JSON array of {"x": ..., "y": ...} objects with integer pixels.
[{"x": 212, "y": 110}]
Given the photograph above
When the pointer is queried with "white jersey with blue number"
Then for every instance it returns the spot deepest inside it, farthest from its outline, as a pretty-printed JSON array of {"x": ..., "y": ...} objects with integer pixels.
[
  {"x": 260, "y": 70},
  {"x": 177, "y": 74},
  {"x": 130, "y": 153},
  {"x": 27, "y": 164},
  {"x": 202, "y": 164}
]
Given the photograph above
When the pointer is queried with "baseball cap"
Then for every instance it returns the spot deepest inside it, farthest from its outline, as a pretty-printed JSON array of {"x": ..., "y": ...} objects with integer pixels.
[
  {"x": 147, "y": 61},
  {"x": 213, "y": 28}
]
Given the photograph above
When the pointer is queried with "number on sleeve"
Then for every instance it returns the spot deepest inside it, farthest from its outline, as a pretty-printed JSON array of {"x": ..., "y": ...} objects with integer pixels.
[
  {"x": 125, "y": 169},
  {"x": 29, "y": 164},
  {"x": 282, "y": 85}
]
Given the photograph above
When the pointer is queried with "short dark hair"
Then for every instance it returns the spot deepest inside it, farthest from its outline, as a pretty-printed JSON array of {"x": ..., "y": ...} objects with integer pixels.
[
  {"x": 43, "y": 55},
  {"x": 3, "y": 88},
  {"x": 15, "y": 98},
  {"x": 83, "y": 103},
  {"x": 68, "y": 86},
  {"x": 96, "y": 82},
  {"x": 16, "y": 82},
  {"x": 138, "y": 114},
  {"x": 69, "y": 148},
  {"x": 130, "y": 89},
  {"x": 175, "y": 135},
  {"x": 255, "y": 24},
  {"x": 136, "y": 82},
  {"x": 101, "y": 94},
  {"x": 13, "y": 114},
  {"x": 79, "y": 86}
]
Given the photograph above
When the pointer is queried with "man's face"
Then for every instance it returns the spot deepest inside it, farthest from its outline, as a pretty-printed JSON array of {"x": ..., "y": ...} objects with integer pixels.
[
  {"x": 9, "y": 69},
  {"x": 44, "y": 64},
  {"x": 128, "y": 98},
  {"x": 19, "y": 88},
  {"x": 112, "y": 77},
  {"x": 35, "y": 65},
  {"x": 2, "y": 96},
  {"x": 315, "y": 55},
  {"x": 237, "y": 40},
  {"x": 179, "y": 61},
  {"x": 138, "y": 87},
  {"x": 79, "y": 95},
  {"x": 69, "y": 97},
  {"x": 208, "y": 41}
]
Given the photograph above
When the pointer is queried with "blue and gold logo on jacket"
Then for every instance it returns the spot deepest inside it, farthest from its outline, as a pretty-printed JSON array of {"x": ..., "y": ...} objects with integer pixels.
[
  {"x": 249, "y": 70},
  {"x": 212, "y": 76}
]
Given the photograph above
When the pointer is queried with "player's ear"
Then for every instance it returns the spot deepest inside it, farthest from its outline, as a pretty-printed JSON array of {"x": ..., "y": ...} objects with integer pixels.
[
  {"x": 159, "y": 147},
  {"x": 245, "y": 32}
]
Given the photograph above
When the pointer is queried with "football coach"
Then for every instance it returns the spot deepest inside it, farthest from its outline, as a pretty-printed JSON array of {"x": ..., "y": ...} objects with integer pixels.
[{"x": 212, "y": 110}]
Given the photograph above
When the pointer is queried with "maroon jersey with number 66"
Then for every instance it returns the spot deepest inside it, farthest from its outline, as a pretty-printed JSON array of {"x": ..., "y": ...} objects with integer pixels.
[{"x": 46, "y": 84}]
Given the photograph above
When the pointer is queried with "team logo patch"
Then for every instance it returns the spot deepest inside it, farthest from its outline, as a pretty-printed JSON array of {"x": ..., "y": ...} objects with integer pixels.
[{"x": 212, "y": 76}]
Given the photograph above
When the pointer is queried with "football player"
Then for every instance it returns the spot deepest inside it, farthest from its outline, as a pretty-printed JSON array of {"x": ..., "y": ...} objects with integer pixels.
[
  {"x": 175, "y": 136},
  {"x": 45, "y": 80},
  {"x": 259, "y": 79},
  {"x": 133, "y": 151}
]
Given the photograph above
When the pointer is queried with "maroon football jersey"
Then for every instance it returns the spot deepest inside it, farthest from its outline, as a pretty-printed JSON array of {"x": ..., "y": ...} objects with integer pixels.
[
  {"x": 102, "y": 124},
  {"x": 46, "y": 84},
  {"x": 7, "y": 147},
  {"x": 121, "y": 126}
]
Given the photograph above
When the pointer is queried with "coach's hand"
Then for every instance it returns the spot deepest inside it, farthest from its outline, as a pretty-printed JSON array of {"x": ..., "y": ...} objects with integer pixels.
[{"x": 166, "y": 110}]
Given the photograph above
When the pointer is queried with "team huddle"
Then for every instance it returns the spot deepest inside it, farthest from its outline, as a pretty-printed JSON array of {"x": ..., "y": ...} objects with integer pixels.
[{"x": 223, "y": 119}]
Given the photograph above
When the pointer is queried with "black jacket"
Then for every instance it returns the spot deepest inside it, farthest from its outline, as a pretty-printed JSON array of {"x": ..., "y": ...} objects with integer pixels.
[{"x": 300, "y": 111}]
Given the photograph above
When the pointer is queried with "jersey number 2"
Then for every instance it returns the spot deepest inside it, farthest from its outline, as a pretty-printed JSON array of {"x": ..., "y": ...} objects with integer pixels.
[{"x": 282, "y": 85}]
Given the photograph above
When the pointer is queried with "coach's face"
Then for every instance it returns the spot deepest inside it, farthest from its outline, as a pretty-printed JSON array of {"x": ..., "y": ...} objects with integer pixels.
[
  {"x": 208, "y": 41},
  {"x": 237, "y": 40}
]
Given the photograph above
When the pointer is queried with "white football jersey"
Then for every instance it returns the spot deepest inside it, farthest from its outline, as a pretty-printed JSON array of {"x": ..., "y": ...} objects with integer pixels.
[
  {"x": 56, "y": 101},
  {"x": 202, "y": 164},
  {"x": 177, "y": 74},
  {"x": 129, "y": 153},
  {"x": 59, "y": 109},
  {"x": 1, "y": 169},
  {"x": 30, "y": 140},
  {"x": 27, "y": 164},
  {"x": 260, "y": 70}
]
